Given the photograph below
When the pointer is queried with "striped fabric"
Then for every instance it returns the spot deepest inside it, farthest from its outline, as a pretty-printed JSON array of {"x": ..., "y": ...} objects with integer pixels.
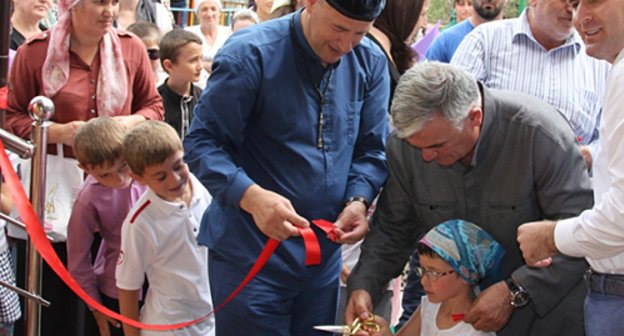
[{"x": 505, "y": 55}]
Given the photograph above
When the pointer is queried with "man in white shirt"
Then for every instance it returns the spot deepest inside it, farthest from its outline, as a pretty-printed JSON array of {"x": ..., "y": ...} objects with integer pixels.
[
  {"x": 539, "y": 54},
  {"x": 598, "y": 233}
]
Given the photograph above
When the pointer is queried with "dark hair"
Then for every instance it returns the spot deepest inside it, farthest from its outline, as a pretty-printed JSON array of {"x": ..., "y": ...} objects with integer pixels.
[
  {"x": 175, "y": 39},
  {"x": 143, "y": 29},
  {"x": 426, "y": 250},
  {"x": 397, "y": 20}
]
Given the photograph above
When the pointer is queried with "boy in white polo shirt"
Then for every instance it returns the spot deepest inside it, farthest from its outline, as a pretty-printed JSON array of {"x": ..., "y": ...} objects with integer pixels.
[{"x": 158, "y": 238}]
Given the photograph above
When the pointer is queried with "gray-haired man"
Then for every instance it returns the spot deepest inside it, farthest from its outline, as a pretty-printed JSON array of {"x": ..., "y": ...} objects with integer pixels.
[{"x": 495, "y": 158}]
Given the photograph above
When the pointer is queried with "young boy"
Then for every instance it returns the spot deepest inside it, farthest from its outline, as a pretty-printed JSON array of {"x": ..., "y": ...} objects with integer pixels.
[
  {"x": 454, "y": 257},
  {"x": 101, "y": 205},
  {"x": 159, "y": 236},
  {"x": 150, "y": 34},
  {"x": 180, "y": 56}
]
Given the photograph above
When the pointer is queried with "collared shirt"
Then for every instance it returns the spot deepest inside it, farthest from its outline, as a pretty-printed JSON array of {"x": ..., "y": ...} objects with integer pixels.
[
  {"x": 444, "y": 46},
  {"x": 17, "y": 39},
  {"x": 209, "y": 51},
  {"x": 525, "y": 167},
  {"x": 98, "y": 209},
  {"x": 77, "y": 99},
  {"x": 158, "y": 240},
  {"x": 257, "y": 122},
  {"x": 505, "y": 55},
  {"x": 598, "y": 234},
  {"x": 179, "y": 109}
]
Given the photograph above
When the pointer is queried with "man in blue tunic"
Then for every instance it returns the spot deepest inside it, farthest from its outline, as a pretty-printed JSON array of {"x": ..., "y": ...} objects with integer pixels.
[{"x": 290, "y": 128}]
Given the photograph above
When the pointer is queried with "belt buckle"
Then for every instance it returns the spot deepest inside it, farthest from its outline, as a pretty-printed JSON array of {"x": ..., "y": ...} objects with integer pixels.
[{"x": 587, "y": 277}]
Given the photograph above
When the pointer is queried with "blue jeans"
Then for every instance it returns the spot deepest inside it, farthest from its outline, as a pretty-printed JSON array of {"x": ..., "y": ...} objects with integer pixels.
[{"x": 603, "y": 314}]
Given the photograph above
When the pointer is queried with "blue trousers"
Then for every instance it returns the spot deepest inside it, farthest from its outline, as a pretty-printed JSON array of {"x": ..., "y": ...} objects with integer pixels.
[
  {"x": 603, "y": 314},
  {"x": 264, "y": 308}
]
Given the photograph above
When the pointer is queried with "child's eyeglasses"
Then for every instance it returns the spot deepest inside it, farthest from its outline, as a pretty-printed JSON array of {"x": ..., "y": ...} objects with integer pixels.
[
  {"x": 431, "y": 275},
  {"x": 153, "y": 54}
]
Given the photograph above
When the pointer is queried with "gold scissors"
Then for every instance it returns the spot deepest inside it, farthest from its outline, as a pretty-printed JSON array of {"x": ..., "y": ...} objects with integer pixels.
[{"x": 358, "y": 324}]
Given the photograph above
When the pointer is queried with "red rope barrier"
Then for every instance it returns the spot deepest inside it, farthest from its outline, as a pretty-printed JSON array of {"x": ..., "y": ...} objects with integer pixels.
[{"x": 41, "y": 242}]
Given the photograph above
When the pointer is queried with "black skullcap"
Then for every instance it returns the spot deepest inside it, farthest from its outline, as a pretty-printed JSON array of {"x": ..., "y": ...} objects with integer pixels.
[{"x": 363, "y": 10}]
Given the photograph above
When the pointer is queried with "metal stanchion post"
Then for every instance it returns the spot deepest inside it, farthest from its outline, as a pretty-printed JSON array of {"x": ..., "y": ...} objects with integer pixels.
[{"x": 41, "y": 109}]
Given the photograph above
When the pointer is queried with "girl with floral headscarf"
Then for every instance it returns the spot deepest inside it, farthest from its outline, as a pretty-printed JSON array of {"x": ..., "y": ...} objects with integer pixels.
[{"x": 455, "y": 257}]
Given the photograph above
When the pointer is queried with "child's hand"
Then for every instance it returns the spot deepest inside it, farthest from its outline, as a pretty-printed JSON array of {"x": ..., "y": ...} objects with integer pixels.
[
  {"x": 344, "y": 274},
  {"x": 103, "y": 323}
]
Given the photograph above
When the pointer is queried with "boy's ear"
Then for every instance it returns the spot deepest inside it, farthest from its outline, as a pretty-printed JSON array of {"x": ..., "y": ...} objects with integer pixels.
[
  {"x": 84, "y": 168},
  {"x": 167, "y": 65},
  {"x": 138, "y": 178}
]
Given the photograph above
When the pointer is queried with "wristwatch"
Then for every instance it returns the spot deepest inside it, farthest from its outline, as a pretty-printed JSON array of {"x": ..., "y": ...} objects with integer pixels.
[
  {"x": 519, "y": 296},
  {"x": 357, "y": 198}
]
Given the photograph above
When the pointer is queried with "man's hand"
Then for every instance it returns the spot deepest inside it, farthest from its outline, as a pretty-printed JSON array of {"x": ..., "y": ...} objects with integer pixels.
[
  {"x": 103, "y": 321},
  {"x": 352, "y": 224},
  {"x": 360, "y": 305},
  {"x": 64, "y": 133},
  {"x": 384, "y": 327},
  {"x": 587, "y": 156},
  {"x": 492, "y": 308},
  {"x": 537, "y": 241},
  {"x": 273, "y": 214}
]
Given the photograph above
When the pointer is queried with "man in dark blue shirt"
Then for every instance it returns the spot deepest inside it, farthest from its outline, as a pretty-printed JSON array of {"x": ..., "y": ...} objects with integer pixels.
[{"x": 290, "y": 128}]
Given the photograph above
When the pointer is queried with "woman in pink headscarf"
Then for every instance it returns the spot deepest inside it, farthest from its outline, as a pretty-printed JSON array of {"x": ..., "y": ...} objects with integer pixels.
[
  {"x": 110, "y": 73},
  {"x": 88, "y": 69}
]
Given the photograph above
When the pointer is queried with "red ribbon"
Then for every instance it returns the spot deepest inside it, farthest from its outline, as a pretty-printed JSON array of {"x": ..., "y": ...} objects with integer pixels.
[
  {"x": 457, "y": 317},
  {"x": 4, "y": 93},
  {"x": 43, "y": 246}
]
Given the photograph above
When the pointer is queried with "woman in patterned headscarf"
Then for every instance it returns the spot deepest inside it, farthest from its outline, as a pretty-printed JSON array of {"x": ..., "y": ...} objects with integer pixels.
[
  {"x": 110, "y": 73},
  {"x": 88, "y": 69}
]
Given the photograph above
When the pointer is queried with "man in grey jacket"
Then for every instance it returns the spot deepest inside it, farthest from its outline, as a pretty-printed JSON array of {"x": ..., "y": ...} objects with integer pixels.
[{"x": 494, "y": 158}]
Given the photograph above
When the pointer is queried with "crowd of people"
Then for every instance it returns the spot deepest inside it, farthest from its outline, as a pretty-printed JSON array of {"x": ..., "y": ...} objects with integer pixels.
[{"x": 491, "y": 168}]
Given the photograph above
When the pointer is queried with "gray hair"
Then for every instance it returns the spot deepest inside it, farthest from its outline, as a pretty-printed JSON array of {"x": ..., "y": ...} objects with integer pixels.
[
  {"x": 245, "y": 14},
  {"x": 430, "y": 88}
]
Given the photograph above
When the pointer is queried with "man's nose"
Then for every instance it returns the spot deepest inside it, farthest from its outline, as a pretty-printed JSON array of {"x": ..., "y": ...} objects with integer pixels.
[
  {"x": 345, "y": 44},
  {"x": 429, "y": 154}
]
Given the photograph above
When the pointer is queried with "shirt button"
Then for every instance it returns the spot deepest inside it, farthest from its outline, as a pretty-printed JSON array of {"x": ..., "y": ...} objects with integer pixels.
[
  {"x": 328, "y": 148},
  {"x": 92, "y": 96},
  {"x": 92, "y": 81},
  {"x": 92, "y": 111},
  {"x": 181, "y": 206}
]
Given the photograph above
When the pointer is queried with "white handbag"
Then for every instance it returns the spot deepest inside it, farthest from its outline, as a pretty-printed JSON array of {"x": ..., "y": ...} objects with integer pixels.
[{"x": 64, "y": 179}]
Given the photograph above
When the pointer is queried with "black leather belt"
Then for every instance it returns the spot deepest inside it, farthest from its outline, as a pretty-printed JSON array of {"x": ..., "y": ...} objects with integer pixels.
[{"x": 609, "y": 284}]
